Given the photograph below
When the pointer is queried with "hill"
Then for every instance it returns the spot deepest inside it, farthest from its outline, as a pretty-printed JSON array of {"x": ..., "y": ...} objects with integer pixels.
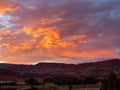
[
  {"x": 97, "y": 69},
  {"x": 5, "y": 65},
  {"x": 6, "y": 75}
]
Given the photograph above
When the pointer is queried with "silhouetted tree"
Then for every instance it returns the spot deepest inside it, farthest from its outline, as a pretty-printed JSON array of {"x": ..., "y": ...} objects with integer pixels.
[
  {"x": 31, "y": 81},
  {"x": 90, "y": 80},
  {"x": 111, "y": 83},
  {"x": 63, "y": 80}
]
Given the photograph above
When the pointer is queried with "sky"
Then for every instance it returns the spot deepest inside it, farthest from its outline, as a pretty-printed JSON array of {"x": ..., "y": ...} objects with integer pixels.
[{"x": 62, "y": 31}]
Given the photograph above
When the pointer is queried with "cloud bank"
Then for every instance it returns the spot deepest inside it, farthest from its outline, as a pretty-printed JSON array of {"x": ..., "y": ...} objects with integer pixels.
[{"x": 65, "y": 31}]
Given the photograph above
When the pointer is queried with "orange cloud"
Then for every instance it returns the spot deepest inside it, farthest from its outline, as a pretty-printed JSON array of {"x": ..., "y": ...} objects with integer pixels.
[
  {"x": 51, "y": 39},
  {"x": 1, "y": 38},
  {"x": 5, "y": 32},
  {"x": 93, "y": 54},
  {"x": 11, "y": 43},
  {"x": 7, "y": 9},
  {"x": 78, "y": 37},
  {"x": 48, "y": 39},
  {"x": 26, "y": 45},
  {"x": 37, "y": 32},
  {"x": 82, "y": 41},
  {"x": 7, "y": 6},
  {"x": 48, "y": 21}
]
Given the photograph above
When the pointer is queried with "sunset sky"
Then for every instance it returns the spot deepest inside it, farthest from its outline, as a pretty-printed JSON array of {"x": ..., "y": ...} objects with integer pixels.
[{"x": 62, "y": 31}]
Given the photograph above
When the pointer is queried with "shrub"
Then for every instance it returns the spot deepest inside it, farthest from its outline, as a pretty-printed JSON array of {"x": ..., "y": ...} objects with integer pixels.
[
  {"x": 63, "y": 80},
  {"x": 32, "y": 81},
  {"x": 90, "y": 80}
]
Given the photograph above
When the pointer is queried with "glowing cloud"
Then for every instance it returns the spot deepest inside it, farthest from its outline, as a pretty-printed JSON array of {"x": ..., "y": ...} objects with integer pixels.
[
  {"x": 7, "y": 6},
  {"x": 50, "y": 39},
  {"x": 8, "y": 9}
]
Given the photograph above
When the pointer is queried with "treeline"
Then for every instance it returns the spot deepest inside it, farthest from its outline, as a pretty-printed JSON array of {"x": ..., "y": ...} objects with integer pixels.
[
  {"x": 109, "y": 83},
  {"x": 71, "y": 80}
]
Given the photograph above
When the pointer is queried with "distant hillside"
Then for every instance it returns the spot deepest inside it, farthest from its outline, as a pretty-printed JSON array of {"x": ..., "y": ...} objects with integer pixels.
[
  {"x": 5, "y": 65},
  {"x": 6, "y": 74},
  {"x": 4, "y": 71},
  {"x": 98, "y": 69},
  {"x": 112, "y": 62}
]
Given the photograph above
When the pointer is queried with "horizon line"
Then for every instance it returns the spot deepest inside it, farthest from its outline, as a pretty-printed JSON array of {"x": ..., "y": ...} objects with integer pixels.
[{"x": 59, "y": 62}]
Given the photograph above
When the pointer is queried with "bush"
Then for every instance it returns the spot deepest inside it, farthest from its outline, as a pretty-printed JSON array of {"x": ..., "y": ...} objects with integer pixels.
[
  {"x": 90, "y": 80},
  {"x": 63, "y": 80},
  {"x": 32, "y": 81}
]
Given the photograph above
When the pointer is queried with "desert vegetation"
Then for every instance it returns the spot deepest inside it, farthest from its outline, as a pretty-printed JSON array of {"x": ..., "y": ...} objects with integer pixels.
[{"x": 67, "y": 83}]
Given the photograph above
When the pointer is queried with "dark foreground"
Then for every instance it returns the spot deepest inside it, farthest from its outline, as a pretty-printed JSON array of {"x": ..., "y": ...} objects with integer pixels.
[{"x": 51, "y": 87}]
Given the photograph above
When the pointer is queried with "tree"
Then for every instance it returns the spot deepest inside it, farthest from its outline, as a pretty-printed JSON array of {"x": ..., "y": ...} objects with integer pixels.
[
  {"x": 90, "y": 80},
  {"x": 63, "y": 80},
  {"x": 31, "y": 81},
  {"x": 111, "y": 83}
]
